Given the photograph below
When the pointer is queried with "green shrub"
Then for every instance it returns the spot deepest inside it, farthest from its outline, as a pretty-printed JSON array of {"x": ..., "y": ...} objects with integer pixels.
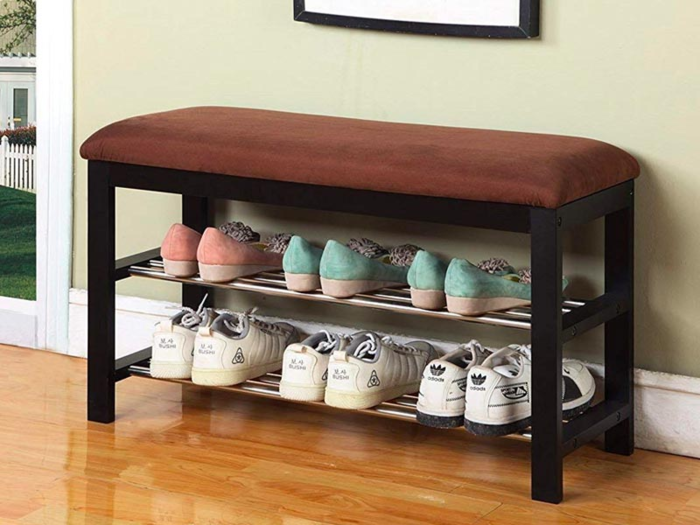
[{"x": 25, "y": 136}]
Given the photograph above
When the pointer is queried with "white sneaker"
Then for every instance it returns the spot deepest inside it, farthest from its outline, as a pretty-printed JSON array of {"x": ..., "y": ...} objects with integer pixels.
[
  {"x": 305, "y": 366},
  {"x": 498, "y": 392},
  {"x": 373, "y": 369},
  {"x": 238, "y": 347},
  {"x": 441, "y": 395},
  {"x": 173, "y": 343}
]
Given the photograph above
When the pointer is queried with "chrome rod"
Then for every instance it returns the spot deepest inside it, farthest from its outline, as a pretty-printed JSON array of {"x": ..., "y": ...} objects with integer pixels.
[
  {"x": 268, "y": 386},
  {"x": 389, "y": 299},
  {"x": 491, "y": 319},
  {"x": 403, "y": 408}
]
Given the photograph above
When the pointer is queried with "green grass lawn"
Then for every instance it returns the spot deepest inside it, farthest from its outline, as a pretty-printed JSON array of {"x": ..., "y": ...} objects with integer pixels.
[{"x": 17, "y": 244}]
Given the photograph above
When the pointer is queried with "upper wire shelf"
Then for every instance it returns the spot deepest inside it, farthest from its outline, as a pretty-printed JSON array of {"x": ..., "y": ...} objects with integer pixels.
[{"x": 389, "y": 299}]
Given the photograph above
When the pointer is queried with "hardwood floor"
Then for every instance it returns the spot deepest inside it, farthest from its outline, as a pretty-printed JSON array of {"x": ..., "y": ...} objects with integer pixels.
[{"x": 181, "y": 454}]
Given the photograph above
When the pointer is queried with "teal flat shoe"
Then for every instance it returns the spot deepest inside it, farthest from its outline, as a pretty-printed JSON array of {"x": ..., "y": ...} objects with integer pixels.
[
  {"x": 472, "y": 291},
  {"x": 301, "y": 264},
  {"x": 345, "y": 272},
  {"x": 426, "y": 277}
]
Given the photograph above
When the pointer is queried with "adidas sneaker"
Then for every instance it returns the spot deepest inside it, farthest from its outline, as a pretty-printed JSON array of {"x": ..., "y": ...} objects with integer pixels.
[
  {"x": 498, "y": 392},
  {"x": 305, "y": 366},
  {"x": 371, "y": 370},
  {"x": 238, "y": 347},
  {"x": 173, "y": 343},
  {"x": 441, "y": 395}
]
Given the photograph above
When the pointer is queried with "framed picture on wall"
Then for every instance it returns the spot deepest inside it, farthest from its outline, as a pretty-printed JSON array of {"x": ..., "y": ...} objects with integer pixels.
[{"x": 474, "y": 18}]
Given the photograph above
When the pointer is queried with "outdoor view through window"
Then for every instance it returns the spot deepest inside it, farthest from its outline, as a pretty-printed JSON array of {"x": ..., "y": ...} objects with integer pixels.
[{"x": 18, "y": 149}]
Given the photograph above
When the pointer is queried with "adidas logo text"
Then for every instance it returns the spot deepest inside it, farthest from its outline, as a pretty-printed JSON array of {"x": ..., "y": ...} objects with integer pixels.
[
  {"x": 437, "y": 370},
  {"x": 478, "y": 379}
]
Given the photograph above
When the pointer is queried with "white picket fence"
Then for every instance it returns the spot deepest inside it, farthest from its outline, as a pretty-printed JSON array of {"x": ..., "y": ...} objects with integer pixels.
[{"x": 18, "y": 163}]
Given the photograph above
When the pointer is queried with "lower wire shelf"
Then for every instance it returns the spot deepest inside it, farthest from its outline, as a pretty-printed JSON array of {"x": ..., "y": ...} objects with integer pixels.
[{"x": 403, "y": 408}]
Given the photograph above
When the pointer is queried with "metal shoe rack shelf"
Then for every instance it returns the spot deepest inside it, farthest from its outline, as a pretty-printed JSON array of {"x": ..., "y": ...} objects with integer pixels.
[{"x": 552, "y": 320}]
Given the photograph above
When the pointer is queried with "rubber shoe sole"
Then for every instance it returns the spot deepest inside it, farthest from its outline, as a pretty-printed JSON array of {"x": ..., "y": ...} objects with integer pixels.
[
  {"x": 428, "y": 299},
  {"x": 478, "y": 306},
  {"x": 224, "y": 273},
  {"x": 180, "y": 268},
  {"x": 171, "y": 370},
  {"x": 360, "y": 401},
  {"x": 342, "y": 289},
  {"x": 482, "y": 429},
  {"x": 218, "y": 377},
  {"x": 297, "y": 392},
  {"x": 302, "y": 282},
  {"x": 439, "y": 421}
]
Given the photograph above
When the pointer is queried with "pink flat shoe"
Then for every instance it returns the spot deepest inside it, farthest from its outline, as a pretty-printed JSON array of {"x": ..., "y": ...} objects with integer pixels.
[
  {"x": 223, "y": 259},
  {"x": 179, "y": 251}
]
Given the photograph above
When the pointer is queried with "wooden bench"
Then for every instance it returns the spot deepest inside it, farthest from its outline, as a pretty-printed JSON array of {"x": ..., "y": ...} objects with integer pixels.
[{"x": 541, "y": 185}]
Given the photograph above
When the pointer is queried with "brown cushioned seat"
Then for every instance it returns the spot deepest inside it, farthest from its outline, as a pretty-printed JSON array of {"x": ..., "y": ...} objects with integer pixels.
[{"x": 473, "y": 164}]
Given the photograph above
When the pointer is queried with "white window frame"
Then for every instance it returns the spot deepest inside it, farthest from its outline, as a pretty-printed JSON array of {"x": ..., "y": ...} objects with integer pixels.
[{"x": 54, "y": 105}]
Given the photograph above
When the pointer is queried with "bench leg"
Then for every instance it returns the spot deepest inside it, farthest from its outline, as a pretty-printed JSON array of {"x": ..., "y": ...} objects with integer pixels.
[
  {"x": 619, "y": 333},
  {"x": 547, "y": 426},
  {"x": 196, "y": 215},
  {"x": 101, "y": 316}
]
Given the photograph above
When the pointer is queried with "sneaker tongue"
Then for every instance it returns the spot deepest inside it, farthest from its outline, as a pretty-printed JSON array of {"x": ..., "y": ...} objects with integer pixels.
[
  {"x": 507, "y": 361},
  {"x": 465, "y": 361},
  {"x": 209, "y": 317},
  {"x": 511, "y": 367},
  {"x": 365, "y": 346}
]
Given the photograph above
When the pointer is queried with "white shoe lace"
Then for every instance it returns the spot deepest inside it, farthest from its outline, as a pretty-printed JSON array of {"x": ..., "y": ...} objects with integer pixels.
[
  {"x": 329, "y": 344},
  {"x": 473, "y": 348},
  {"x": 368, "y": 347},
  {"x": 236, "y": 324},
  {"x": 524, "y": 350},
  {"x": 192, "y": 317}
]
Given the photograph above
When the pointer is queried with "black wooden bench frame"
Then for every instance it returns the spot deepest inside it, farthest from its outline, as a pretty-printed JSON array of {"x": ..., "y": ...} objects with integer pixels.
[{"x": 552, "y": 439}]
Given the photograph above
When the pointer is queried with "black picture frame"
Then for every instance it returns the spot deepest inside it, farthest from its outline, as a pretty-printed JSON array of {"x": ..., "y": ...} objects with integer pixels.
[{"x": 529, "y": 26}]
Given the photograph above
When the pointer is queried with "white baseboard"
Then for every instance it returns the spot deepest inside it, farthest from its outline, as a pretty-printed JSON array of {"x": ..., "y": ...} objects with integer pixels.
[
  {"x": 135, "y": 319},
  {"x": 667, "y": 407},
  {"x": 18, "y": 326}
]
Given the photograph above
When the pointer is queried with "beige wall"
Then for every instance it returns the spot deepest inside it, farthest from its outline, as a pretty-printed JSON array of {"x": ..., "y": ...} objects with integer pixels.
[{"x": 626, "y": 72}]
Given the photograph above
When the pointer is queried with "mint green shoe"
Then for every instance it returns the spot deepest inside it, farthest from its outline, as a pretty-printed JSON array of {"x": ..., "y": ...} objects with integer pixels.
[
  {"x": 345, "y": 272},
  {"x": 426, "y": 278},
  {"x": 301, "y": 264},
  {"x": 471, "y": 290}
]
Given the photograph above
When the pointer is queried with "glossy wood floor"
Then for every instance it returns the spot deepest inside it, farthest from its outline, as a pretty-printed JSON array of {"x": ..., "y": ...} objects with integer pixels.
[{"x": 188, "y": 455}]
